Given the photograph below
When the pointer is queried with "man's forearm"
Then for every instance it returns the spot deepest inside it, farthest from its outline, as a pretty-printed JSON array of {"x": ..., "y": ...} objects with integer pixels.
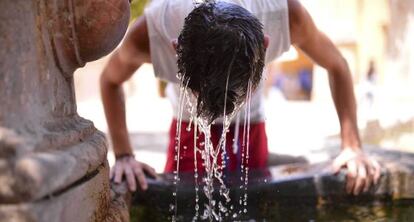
[
  {"x": 114, "y": 106},
  {"x": 343, "y": 95}
]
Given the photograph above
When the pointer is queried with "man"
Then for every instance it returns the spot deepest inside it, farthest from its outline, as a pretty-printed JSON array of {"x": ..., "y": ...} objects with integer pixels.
[{"x": 221, "y": 49}]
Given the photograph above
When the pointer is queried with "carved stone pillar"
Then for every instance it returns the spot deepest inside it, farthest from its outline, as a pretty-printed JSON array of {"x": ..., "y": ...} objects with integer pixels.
[{"x": 53, "y": 163}]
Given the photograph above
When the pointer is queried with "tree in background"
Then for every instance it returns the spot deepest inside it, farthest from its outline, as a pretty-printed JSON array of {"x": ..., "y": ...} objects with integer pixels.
[{"x": 137, "y": 8}]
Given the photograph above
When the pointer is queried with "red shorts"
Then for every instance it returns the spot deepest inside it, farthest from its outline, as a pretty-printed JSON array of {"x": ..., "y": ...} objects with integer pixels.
[{"x": 258, "y": 151}]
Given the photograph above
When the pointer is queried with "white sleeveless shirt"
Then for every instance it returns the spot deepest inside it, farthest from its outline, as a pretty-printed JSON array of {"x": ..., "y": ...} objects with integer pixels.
[{"x": 165, "y": 19}]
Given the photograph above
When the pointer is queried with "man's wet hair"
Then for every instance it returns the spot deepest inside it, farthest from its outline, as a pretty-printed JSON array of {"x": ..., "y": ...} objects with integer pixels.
[{"x": 220, "y": 42}]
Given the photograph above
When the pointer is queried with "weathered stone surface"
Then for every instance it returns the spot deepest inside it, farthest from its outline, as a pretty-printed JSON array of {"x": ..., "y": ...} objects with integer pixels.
[
  {"x": 120, "y": 204},
  {"x": 289, "y": 184},
  {"x": 52, "y": 162},
  {"x": 35, "y": 175},
  {"x": 83, "y": 202}
]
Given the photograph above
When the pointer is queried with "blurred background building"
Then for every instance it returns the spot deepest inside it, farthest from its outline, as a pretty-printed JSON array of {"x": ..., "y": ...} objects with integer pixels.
[{"x": 375, "y": 36}]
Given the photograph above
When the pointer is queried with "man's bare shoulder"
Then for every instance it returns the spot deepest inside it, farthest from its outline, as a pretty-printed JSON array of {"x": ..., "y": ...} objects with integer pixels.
[
  {"x": 300, "y": 22},
  {"x": 295, "y": 10},
  {"x": 136, "y": 42}
]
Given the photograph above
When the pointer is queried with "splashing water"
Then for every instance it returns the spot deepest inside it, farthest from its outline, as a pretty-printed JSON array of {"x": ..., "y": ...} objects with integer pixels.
[
  {"x": 210, "y": 156},
  {"x": 247, "y": 144},
  {"x": 177, "y": 149}
]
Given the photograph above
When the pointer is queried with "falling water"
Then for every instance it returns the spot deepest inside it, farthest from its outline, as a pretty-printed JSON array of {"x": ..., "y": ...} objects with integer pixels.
[
  {"x": 236, "y": 134},
  {"x": 213, "y": 210},
  {"x": 196, "y": 187},
  {"x": 246, "y": 169},
  {"x": 181, "y": 100}
]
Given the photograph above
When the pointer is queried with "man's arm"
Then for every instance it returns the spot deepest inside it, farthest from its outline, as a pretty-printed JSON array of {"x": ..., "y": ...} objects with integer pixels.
[
  {"x": 362, "y": 171},
  {"x": 133, "y": 52}
]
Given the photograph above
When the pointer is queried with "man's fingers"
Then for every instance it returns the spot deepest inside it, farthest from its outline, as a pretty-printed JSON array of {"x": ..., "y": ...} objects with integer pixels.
[
  {"x": 150, "y": 171},
  {"x": 370, "y": 177},
  {"x": 133, "y": 171},
  {"x": 377, "y": 169},
  {"x": 141, "y": 178},
  {"x": 360, "y": 179},
  {"x": 351, "y": 176},
  {"x": 118, "y": 171},
  {"x": 362, "y": 170},
  {"x": 130, "y": 177}
]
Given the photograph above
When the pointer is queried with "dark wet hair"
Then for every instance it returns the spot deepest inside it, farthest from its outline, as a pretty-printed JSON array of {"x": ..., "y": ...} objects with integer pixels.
[{"x": 219, "y": 41}]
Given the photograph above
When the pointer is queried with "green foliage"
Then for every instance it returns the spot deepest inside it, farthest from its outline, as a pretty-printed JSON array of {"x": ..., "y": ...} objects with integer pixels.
[{"x": 137, "y": 8}]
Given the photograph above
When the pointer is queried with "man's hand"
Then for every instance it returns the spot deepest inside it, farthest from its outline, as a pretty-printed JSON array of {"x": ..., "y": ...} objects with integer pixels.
[
  {"x": 132, "y": 169},
  {"x": 362, "y": 170}
]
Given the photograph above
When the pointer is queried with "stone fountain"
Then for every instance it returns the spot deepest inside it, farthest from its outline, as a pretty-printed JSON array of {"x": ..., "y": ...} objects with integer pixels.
[
  {"x": 53, "y": 164},
  {"x": 292, "y": 192}
]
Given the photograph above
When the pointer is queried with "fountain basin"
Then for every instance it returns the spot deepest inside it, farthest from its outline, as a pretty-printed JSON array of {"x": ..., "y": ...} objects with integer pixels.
[{"x": 291, "y": 192}]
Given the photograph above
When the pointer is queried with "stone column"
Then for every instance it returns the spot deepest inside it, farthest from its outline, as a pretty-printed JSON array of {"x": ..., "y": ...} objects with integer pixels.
[{"x": 53, "y": 163}]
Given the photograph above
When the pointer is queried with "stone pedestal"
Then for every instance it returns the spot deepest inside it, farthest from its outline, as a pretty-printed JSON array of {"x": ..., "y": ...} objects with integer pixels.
[{"x": 53, "y": 163}]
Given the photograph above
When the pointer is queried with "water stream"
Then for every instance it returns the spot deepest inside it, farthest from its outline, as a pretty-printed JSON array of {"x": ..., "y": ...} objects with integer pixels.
[{"x": 214, "y": 159}]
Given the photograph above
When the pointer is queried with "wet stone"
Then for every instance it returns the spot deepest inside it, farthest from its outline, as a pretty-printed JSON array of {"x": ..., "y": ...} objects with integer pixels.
[{"x": 302, "y": 186}]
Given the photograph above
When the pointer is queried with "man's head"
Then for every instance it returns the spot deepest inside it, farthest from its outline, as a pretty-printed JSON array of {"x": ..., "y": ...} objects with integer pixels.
[{"x": 220, "y": 43}]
